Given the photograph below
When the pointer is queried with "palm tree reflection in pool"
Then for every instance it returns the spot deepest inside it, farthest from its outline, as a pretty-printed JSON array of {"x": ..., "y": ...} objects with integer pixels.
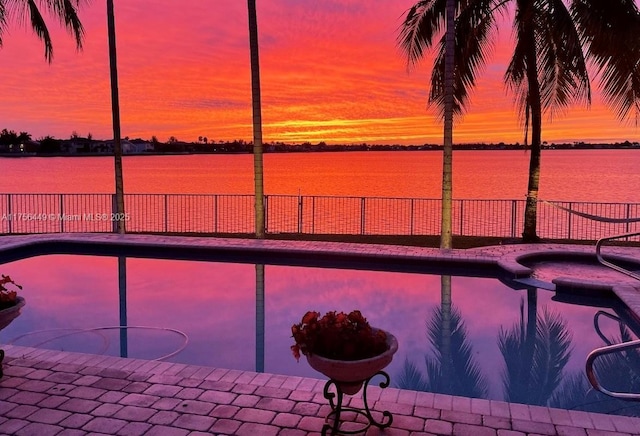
[
  {"x": 535, "y": 352},
  {"x": 619, "y": 372},
  {"x": 452, "y": 371}
]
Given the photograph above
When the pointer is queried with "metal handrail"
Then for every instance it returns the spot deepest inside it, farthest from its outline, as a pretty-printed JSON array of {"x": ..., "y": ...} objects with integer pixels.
[
  {"x": 596, "y": 324},
  {"x": 591, "y": 375},
  {"x": 612, "y": 265}
]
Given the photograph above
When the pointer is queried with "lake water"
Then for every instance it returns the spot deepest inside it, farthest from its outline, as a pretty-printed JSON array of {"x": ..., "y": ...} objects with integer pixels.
[{"x": 567, "y": 175}]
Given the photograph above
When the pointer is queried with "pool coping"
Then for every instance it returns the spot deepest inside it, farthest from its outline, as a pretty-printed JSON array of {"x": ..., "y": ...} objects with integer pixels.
[{"x": 38, "y": 395}]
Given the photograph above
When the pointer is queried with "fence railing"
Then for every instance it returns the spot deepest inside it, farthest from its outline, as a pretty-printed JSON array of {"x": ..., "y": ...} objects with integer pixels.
[{"x": 217, "y": 213}]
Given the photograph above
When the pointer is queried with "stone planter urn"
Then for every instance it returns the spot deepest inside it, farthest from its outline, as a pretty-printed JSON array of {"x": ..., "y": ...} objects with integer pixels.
[
  {"x": 348, "y": 378},
  {"x": 350, "y": 375},
  {"x": 8, "y": 314}
]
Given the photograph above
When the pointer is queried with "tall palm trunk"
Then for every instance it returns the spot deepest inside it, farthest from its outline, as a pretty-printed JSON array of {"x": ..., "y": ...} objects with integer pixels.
[
  {"x": 447, "y": 156},
  {"x": 115, "y": 115},
  {"x": 535, "y": 105},
  {"x": 257, "y": 120}
]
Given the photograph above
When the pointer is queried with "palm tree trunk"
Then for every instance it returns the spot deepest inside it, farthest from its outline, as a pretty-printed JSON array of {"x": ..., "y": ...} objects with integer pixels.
[
  {"x": 115, "y": 115},
  {"x": 530, "y": 214},
  {"x": 257, "y": 121},
  {"x": 447, "y": 157}
]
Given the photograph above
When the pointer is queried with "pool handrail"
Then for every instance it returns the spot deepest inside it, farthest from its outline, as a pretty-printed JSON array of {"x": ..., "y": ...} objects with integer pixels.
[
  {"x": 612, "y": 265},
  {"x": 609, "y": 349}
]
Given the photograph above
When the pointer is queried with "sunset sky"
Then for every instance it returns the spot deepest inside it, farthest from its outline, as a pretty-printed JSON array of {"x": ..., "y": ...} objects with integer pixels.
[{"x": 330, "y": 71}]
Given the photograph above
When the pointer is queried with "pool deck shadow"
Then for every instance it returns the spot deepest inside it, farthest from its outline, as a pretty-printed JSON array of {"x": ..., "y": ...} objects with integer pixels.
[{"x": 46, "y": 392}]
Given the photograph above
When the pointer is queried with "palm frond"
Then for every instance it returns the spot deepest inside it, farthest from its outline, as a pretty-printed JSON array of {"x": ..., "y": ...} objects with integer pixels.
[
  {"x": 516, "y": 74},
  {"x": 610, "y": 32},
  {"x": 3, "y": 19},
  {"x": 547, "y": 37},
  {"x": 457, "y": 373},
  {"x": 30, "y": 12},
  {"x": 69, "y": 14},
  {"x": 40, "y": 29},
  {"x": 576, "y": 393},
  {"x": 411, "y": 378},
  {"x": 474, "y": 31},
  {"x": 563, "y": 75},
  {"x": 572, "y": 393},
  {"x": 513, "y": 347},
  {"x": 553, "y": 349},
  {"x": 533, "y": 369},
  {"x": 422, "y": 23}
]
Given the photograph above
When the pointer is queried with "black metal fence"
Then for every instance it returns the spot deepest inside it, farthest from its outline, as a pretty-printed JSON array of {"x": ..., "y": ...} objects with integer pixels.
[{"x": 216, "y": 213}]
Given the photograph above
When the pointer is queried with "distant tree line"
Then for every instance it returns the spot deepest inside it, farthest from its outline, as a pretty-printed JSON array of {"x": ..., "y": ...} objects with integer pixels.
[{"x": 14, "y": 142}]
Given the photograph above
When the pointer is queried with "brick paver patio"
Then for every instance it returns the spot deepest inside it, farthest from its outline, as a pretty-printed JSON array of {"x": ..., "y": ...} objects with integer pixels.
[{"x": 60, "y": 393}]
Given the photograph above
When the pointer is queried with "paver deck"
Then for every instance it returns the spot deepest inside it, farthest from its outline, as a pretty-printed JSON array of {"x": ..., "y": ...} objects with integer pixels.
[
  {"x": 48, "y": 392},
  {"x": 62, "y": 393}
]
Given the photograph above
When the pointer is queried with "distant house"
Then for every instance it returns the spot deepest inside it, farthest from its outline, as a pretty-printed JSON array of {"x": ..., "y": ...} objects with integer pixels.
[
  {"x": 76, "y": 145},
  {"x": 128, "y": 147}
]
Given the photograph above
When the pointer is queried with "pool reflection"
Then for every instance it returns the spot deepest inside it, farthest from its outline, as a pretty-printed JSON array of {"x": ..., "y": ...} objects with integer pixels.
[{"x": 219, "y": 307}]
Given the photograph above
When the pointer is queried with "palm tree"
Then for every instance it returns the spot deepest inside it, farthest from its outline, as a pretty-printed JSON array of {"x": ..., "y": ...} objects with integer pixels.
[
  {"x": 548, "y": 67},
  {"x": 257, "y": 120},
  {"x": 413, "y": 51},
  {"x": 65, "y": 10},
  {"x": 115, "y": 116}
]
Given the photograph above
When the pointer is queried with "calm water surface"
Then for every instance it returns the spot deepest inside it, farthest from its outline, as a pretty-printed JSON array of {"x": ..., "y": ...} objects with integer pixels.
[
  {"x": 577, "y": 175},
  {"x": 214, "y": 304}
]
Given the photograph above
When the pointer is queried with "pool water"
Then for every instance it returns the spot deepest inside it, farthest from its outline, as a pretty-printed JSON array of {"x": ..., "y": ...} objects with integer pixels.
[{"x": 209, "y": 308}]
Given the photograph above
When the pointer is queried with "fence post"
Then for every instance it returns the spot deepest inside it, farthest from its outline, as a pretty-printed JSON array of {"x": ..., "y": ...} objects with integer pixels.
[
  {"x": 362, "y": 212},
  {"x": 570, "y": 221},
  {"x": 61, "y": 213},
  {"x": 215, "y": 213},
  {"x": 299, "y": 213},
  {"x": 114, "y": 209},
  {"x": 10, "y": 213},
  {"x": 266, "y": 214},
  {"x": 411, "y": 221},
  {"x": 628, "y": 217},
  {"x": 461, "y": 215},
  {"x": 628, "y": 223},
  {"x": 514, "y": 211},
  {"x": 313, "y": 215}
]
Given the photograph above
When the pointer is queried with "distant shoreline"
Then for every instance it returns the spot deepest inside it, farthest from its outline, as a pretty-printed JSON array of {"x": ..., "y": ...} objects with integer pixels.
[{"x": 342, "y": 148}]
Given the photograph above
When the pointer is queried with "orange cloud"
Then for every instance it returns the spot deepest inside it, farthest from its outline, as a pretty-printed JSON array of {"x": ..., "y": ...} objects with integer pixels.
[{"x": 330, "y": 72}]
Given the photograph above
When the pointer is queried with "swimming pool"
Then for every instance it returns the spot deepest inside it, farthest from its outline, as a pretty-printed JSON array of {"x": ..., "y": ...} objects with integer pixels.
[{"x": 214, "y": 305}]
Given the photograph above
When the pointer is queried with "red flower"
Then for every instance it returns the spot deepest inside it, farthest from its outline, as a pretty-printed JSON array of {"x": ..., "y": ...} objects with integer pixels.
[
  {"x": 337, "y": 336},
  {"x": 8, "y": 296}
]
